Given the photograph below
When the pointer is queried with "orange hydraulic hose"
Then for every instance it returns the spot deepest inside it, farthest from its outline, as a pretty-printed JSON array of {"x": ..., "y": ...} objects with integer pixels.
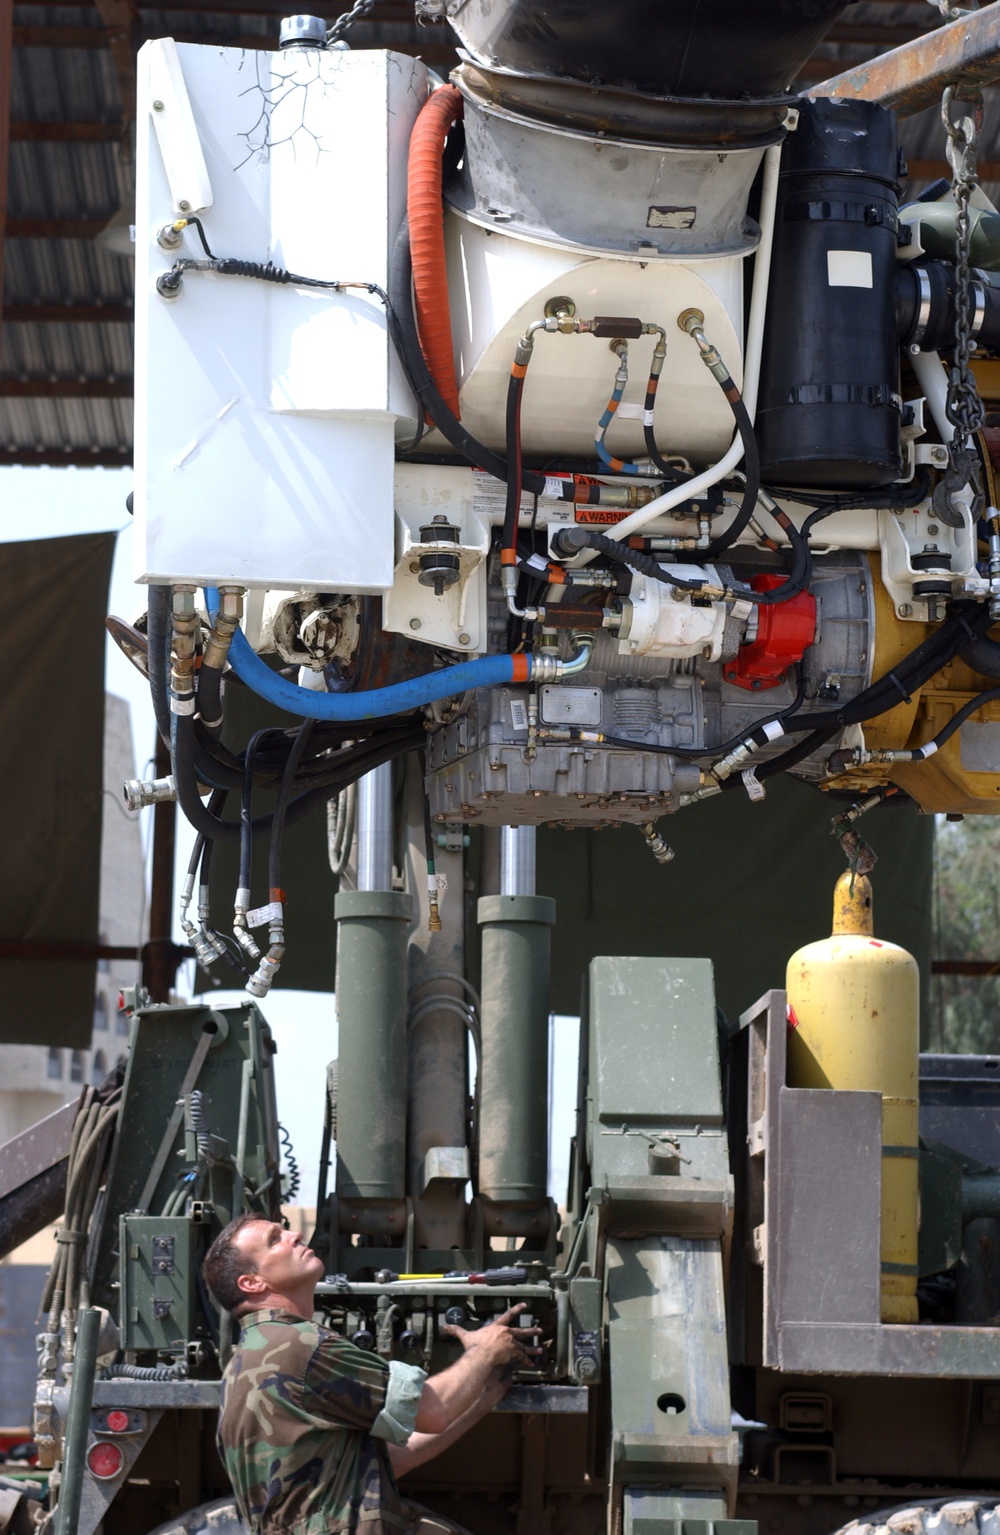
[{"x": 426, "y": 216}]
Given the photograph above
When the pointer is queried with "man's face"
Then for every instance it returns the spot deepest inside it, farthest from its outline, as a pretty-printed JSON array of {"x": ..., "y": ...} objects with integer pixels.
[{"x": 280, "y": 1257}]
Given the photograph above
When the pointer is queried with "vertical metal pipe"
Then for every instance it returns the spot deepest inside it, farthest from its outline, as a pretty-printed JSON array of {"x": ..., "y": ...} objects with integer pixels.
[
  {"x": 78, "y": 1421},
  {"x": 514, "y": 1128},
  {"x": 375, "y": 829},
  {"x": 372, "y": 932},
  {"x": 517, "y": 860},
  {"x": 159, "y": 962}
]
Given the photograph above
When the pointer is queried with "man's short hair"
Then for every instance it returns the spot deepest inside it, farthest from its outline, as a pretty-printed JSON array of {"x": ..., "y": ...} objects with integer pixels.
[{"x": 225, "y": 1262}]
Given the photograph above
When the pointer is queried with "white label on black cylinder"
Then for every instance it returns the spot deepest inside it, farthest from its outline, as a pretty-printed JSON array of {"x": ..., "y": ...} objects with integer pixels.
[{"x": 849, "y": 269}]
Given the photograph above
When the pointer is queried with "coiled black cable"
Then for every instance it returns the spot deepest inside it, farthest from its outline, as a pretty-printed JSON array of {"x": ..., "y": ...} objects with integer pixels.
[{"x": 294, "y": 1175}]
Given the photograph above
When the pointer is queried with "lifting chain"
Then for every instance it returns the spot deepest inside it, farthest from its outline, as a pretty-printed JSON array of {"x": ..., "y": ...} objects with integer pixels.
[
  {"x": 964, "y": 408},
  {"x": 359, "y": 10}
]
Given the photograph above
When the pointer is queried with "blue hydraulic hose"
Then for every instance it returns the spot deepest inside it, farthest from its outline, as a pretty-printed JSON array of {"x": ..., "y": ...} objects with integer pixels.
[{"x": 484, "y": 672}]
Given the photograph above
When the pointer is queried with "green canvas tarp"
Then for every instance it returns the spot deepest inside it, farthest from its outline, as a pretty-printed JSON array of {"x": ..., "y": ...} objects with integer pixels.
[{"x": 53, "y": 601}]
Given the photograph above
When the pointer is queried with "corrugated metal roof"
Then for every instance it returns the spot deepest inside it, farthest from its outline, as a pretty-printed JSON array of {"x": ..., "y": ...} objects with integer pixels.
[{"x": 63, "y": 73}]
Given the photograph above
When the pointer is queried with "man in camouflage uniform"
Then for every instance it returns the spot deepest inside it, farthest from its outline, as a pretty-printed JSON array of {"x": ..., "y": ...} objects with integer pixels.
[{"x": 312, "y": 1428}]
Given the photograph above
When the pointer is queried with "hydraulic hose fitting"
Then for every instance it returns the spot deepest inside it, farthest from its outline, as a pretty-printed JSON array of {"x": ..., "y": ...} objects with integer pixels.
[
  {"x": 241, "y": 931},
  {"x": 773, "y": 730},
  {"x": 259, "y": 983},
  {"x": 225, "y": 623},
  {"x": 139, "y": 793},
  {"x": 205, "y": 951},
  {"x": 994, "y": 562},
  {"x": 547, "y": 668},
  {"x": 692, "y": 321},
  {"x": 185, "y": 628},
  {"x": 661, "y": 851},
  {"x": 508, "y": 582}
]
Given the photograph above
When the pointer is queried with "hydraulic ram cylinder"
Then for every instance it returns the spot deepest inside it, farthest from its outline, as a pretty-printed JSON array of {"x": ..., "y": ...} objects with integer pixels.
[
  {"x": 513, "y": 1132},
  {"x": 372, "y": 932}
]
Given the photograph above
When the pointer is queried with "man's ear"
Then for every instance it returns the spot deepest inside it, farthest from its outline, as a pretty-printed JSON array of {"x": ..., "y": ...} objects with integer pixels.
[{"x": 250, "y": 1284}]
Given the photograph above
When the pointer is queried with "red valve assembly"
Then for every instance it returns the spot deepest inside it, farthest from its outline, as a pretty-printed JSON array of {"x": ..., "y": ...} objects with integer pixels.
[{"x": 784, "y": 633}]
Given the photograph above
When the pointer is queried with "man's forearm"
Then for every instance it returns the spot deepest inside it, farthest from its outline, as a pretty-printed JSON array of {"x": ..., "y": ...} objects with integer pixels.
[
  {"x": 449, "y": 1395},
  {"x": 423, "y": 1447}
]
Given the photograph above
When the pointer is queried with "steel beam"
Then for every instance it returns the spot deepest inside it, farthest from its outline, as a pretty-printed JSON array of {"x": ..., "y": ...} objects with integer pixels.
[
  {"x": 55, "y": 229},
  {"x": 22, "y": 132},
  {"x": 66, "y": 388},
  {"x": 6, "y": 51},
  {"x": 910, "y": 78},
  {"x": 68, "y": 314},
  {"x": 76, "y": 458}
]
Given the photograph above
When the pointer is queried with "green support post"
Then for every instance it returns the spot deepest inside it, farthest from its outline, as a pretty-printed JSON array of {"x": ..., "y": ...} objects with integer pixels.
[
  {"x": 78, "y": 1421},
  {"x": 372, "y": 935},
  {"x": 514, "y": 1132}
]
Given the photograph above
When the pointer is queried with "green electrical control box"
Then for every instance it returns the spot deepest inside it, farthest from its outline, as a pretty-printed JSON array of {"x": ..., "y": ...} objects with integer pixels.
[{"x": 158, "y": 1282}]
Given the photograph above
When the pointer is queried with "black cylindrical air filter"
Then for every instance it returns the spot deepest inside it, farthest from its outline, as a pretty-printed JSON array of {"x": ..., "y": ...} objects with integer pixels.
[{"x": 829, "y": 409}]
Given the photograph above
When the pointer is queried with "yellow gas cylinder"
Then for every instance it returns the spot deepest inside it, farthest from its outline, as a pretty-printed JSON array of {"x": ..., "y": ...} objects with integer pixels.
[{"x": 853, "y": 1014}]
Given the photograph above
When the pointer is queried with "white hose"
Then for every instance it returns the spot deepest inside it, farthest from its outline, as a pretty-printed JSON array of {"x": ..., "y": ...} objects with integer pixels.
[{"x": 751, "y": 372}]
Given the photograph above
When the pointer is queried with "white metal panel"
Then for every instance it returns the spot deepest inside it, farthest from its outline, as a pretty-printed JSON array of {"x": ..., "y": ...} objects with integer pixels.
[{"x": 266, "y": 415}]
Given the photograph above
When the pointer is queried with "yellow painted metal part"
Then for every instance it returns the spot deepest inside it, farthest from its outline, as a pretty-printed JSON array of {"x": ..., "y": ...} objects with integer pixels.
[
  {"x": 854, "y": 1026},
  {"x": 942, "y": 784}
]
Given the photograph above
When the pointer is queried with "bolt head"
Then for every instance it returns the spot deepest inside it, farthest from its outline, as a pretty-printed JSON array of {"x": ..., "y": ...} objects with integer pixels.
[
  {"x": 463, "y": 639},
  {"x": 184, "y": 205},
  {"x": 415, "y": 623},
  {"x": 157, "y": 106},
  {"x": 905, "y": 609}
]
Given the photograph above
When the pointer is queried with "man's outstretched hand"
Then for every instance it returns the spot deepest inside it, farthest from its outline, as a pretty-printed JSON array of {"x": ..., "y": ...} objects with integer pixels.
[{"x": 505, "y": 1343}]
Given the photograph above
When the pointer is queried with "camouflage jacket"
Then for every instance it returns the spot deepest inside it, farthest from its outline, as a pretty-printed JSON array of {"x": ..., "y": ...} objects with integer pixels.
[{"x": 305, "y": 1417}]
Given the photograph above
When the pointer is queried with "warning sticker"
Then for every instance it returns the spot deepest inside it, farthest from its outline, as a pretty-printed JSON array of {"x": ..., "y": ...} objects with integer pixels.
[{"x": 600, "y": 516}]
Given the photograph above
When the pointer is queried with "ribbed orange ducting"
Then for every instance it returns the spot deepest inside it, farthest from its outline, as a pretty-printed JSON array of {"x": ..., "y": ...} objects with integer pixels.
[{"x": 426, "y": 216}]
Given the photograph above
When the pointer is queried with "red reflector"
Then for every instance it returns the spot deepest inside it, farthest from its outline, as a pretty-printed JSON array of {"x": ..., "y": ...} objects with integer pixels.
[
  {"x": 105, "y": 1460},
  {"x": 117, "y": 1421}
]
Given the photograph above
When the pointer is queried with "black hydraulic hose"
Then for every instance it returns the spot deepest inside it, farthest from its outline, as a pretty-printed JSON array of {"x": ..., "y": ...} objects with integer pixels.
[
  {"x": 669, "y": 471},
  {"x": 570, "y": 541},
  {"x": 515, "y": 466},
  {"x": 210, "y": 699},
  {"x": 751, "y": 468},
  {"x": 692, "y": 752},
  {"x": 958, "y": 720},
  {"x": 340, "y": 777},
  {"x": 246, "y": 808},
  {"x": 788, "y": 759},
  {"x": 403, "y": 333},
  {"x": 983, "y": 655},
  {"x": 281, "y": 809},
  {"x": 157, "y": 642},
  {"x": 967, "y": 620}
]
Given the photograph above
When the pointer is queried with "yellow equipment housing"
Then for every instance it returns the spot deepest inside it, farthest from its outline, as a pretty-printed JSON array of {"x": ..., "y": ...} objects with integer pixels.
[{"x": 854, "y": 1011}]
